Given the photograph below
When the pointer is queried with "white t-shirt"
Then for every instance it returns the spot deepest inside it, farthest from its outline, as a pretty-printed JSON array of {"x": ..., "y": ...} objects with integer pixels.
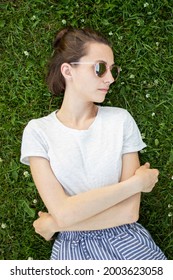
[{"x": 83, "y": 159}]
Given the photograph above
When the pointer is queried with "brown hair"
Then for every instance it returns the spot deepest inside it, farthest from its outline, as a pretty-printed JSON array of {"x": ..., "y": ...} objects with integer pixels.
[{"x": 69, "y": 46}]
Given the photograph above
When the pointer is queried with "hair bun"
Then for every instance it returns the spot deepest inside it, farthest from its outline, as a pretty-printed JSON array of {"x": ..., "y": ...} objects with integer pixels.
[{"x": 59, "y": 36}]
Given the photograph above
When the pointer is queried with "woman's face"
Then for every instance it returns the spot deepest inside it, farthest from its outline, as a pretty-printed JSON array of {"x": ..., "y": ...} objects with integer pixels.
[{"x": 86, "y": 84}]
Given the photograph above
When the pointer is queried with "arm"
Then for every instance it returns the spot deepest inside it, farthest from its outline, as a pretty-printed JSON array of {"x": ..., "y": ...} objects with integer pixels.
[
  {"x": 124, "y": 212},
  {"x": 68, "y": 211}
]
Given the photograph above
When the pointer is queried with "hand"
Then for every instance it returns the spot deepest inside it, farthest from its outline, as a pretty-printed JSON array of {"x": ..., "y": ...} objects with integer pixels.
[
  {"x": 44, "y": 225},
  {"x": 148, "y": 176}
]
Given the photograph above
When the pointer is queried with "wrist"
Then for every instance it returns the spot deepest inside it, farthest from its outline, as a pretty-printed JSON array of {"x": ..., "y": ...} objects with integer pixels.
[
  {"x": 137, "y": 183},
  {"x": 53, "y": 225}
]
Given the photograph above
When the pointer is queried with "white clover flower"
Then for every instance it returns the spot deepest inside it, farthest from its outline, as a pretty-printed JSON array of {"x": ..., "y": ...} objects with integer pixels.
[
  {"x": 132, "y": 76},
  {"x": 64, "y": 21},
  {"x": 26, "y": 174},
  {"x": 1, "y": 160},
  {"x": 170, "y": 214},
  {"x": 140, "y": 22},
  {"x": 143, "y": 135},
  {"x": 26, "y": 53},
  {"x": 33, "y": 17},
  {"x": 3, "y": 225},
  {"x": 110, "y": 33},
  {"x": 30, "y": 259},
  {"x": 35, "y": 201},
  {"x": 147, "y": 95},
  {"x": 146, "y": 5},
  {"x": 120, "y": 37},
  {"x": 153, "y": 114},
  {"x": 143, "y": 151}
]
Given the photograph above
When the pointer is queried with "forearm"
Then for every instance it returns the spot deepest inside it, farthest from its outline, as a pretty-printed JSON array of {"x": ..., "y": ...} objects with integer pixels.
[
  {"x": 70, "y": 211},
  {"x": 98, "y": 202},
  {"x": 123, "y": 213}
]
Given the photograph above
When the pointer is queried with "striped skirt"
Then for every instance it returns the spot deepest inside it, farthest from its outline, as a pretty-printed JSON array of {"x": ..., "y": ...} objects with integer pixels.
[{"x": 126, "y": 242}]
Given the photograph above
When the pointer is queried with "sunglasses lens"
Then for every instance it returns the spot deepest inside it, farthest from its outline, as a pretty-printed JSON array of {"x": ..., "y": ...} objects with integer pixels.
[
  {"x": 115, "y": 72},
  {"x": 100, "y": 69}
]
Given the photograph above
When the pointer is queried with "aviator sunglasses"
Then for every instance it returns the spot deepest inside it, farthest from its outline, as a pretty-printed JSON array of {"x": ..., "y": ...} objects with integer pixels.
[{"x": 101, "y": 68}]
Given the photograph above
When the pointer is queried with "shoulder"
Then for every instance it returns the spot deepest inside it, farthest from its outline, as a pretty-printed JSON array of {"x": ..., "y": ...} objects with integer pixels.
[
  {"x": 41, "y": 123},
  {"x": 115, "y": 112}
]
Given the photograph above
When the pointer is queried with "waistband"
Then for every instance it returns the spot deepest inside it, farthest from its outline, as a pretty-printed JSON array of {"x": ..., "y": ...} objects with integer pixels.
[{"x": 103, "y": 233}]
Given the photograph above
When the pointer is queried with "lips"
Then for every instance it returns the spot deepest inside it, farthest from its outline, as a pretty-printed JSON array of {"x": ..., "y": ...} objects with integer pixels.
[{"x": 104, "y": 89}]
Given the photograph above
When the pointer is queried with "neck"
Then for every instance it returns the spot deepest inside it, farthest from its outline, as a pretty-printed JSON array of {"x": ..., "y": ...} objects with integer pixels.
[{"x": 76, "y": 113}]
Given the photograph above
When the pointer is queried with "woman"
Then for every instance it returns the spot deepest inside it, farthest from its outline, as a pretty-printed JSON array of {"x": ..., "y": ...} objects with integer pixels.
[{"x": 84, "y": 159}]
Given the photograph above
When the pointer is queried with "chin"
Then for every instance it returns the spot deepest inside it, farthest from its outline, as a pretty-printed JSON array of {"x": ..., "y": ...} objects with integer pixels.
[{"x": 99, "y": 100}]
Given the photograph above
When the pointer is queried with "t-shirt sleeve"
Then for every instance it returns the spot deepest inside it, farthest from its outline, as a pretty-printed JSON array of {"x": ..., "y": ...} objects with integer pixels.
[
  {"x": 132, "y": 141},
  {"x": 33, "y": 143}
]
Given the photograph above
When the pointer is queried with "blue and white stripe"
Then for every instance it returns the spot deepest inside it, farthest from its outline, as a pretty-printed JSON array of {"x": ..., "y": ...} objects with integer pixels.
[{"x": 126, "y": 242}]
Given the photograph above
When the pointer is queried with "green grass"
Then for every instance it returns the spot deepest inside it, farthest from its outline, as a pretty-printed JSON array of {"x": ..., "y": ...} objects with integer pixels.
[{"x": 142, "y": 39}]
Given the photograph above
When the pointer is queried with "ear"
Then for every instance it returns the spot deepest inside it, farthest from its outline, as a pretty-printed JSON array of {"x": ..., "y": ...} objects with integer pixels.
[{"x": 66, "y": 71}]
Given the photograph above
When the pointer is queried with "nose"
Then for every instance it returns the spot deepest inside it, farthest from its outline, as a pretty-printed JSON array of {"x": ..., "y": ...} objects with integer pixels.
[{"x": 108, "y": 78}]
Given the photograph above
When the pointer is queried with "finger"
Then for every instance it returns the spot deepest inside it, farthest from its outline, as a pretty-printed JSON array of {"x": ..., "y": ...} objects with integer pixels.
[
  {"x": 40, "y": 213},
  {"x": 147, "y": 165}
]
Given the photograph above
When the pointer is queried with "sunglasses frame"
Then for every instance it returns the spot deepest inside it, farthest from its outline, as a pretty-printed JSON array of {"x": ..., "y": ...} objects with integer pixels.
[{"x": 98, "y": 62}]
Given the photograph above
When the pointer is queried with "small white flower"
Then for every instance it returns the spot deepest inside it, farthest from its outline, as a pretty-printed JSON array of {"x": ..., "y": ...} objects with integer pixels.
[
  {"x": 147, "y": 95},
  {"x": 26, "y": 53},
  {"x": 132, "y": 76},
  {"x": 26, "y": 174},
  {"x": 30, "y": 259},
  {"x": 33, "y": 18},
  {"x": 143, "y": 135},
  {"x": 82, "y": 20},
  {"x": 3, "y": 225},
  {"x": 157, "y": 44},
  {"x": 156, "y": 82},
  {"x": 120, "y": 38},
  {"x": 172, "y": 177},
  {"x": 110, "y": 33},
  {"x": 153, "y": 114},
  {"x": 64, "y": 21},
  {"x": 1, "y": 160},
  {"x": 146, "y": 5},
  {"x": 35, "y": 201},
  {"x": 140, "y": 22},
  {"x": 170, "y": 214},
  {"x": 122, "y": 83},
  {"x": 143, "y": 151},
  {"x": 169, "y": 206}
]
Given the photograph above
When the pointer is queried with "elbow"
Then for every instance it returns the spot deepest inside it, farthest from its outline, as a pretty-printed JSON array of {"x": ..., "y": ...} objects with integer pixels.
[
  {"x": 133, "y": 215},
  {"x": 133, "y": 218}
]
